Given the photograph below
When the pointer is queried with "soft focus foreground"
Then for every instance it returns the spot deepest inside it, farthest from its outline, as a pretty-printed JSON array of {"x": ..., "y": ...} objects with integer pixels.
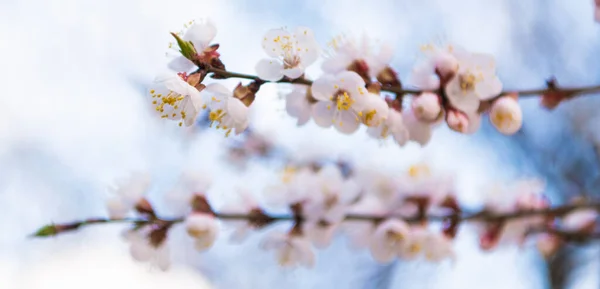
[{"x": 74, "y": 149}]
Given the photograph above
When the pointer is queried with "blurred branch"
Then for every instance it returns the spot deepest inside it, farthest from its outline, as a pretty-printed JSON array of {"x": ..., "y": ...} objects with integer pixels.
[{"x": 260, "y": 219}]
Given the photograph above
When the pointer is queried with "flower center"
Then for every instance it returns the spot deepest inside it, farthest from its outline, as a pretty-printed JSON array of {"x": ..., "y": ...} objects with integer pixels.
[
  {"x": 291, "y": 61},
  {"x": 343, "y": 100},
  {"x": 415, "y": 248},
  {"x": 368, "y": 117},
  {"x": 198, "y": 233},
  {"x": 395, "y": 237},
  {"x": 217, "y": 116},
  {"x": 467, "y": 81},
  {"x": 416, "y": 171},
  {"x": 170, "y": 102},
  {"x": 288, "y": 175},
  {"x": 503, "y": 118}
]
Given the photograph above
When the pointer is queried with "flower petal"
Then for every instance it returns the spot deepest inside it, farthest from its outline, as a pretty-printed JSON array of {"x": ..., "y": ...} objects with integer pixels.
[
  {"x": 418, "y": 131},
  {"x": 351, "y": 82},
  {"x": 272, "y": 42},
  {"x": 201, "y": 34},
  {"x": 347, "y": 122},
  {"x": 461, "y": 100},
  {"x": 307, "y": 47},
  {"x": 423, "y": 77},
  {"x": 489, "y": 88},
  {"x": 336, "y": 63},
  {"x": 181, "y": 63},
  {"x": 322, "y": 113},
  {"x": 324, "y": 87},
  {"x": 237, "y": 109},
  {"x": 293, "y": 73},
  {"x": 269, "y": 69}
]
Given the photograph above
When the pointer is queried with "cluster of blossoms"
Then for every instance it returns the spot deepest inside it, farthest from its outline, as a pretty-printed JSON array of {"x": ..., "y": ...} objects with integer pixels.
[
  {"x": 358, "y": 86},
  {"x": 412, "y": 215},
  {"x": 455, "y": 85}
]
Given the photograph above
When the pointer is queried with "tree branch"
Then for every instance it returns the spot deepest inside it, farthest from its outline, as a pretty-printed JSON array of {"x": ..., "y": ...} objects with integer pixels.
[{"x": 399, "y": 90}]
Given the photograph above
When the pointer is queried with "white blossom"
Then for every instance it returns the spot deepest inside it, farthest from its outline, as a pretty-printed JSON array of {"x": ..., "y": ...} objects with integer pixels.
[
  {"x": 298, "y": 104},
  {"x": 506, "y": 115},
  {"x": 341, "y": 98},
  {"x": 422, "y": 183},
  {"x": 345, "y": 51},
  {"x": 290, "y": 53},
  {"x": 228, "y": 111},
  {"x": 201, "y": 34},
  {"x": 439, "y": 62},
  {"x": 377, "y": 184},
  {"x": 127, "y": 192},
  {"x": 418, "y": 130},
  {"x": 375, "y": 111},
  {"x": 294, "y": 186},
  {"x": 331, "y": 196},
  {"x": 392, "y": 126},
  {"x": 189, "y": 184},
  {"x": 291, "y": 250},
  {"x": 142, "y": 250},
  {"x": 175, "y": 99},
  {"x": 203, "y": 228},
  {"x": 390, "y": 239},
  {"x": 474, "y": 81}
]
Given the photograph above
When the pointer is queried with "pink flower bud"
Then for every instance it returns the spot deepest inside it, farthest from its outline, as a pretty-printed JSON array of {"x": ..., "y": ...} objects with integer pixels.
[
  {"x": 457, "y": 121},
  {"x": 446, "y": 65},
  {"x": 506, "y": 115},
  {"x": 426, "y": 106}
]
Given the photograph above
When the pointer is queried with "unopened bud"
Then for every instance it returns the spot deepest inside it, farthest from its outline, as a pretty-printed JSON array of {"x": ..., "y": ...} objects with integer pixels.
[
  {"x": 186, "y": 48},
  {"x": 388, "y": 77},
  {"x": 506, "y": 115},
  {"x": 457, "y": 121},
  {"x": 144, "y": 207},
  {"x": 200, "y": 205},
  {"x": 446, "y": 65},
  {"x": 361, "y": 68},
  {"x": 426, "y": 106}
]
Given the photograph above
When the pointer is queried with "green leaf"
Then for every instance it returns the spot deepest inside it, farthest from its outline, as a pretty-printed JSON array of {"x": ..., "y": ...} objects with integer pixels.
[
  {"x": 48, "y": 230},
  {"x": 185, "y": 47}
]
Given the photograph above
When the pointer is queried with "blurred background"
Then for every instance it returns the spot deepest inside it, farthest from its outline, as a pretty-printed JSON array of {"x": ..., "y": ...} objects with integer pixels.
[{"x": 75, "y": 116}]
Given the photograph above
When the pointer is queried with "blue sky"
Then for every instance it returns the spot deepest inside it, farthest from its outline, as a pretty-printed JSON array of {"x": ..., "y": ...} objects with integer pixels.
[{"x": 75, "y": 117}]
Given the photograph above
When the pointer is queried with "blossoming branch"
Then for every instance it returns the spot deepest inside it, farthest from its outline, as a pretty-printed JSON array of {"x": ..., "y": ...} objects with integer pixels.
[
  {"x": 411, "y": 215},
  {"x": 358, "y": 87}
]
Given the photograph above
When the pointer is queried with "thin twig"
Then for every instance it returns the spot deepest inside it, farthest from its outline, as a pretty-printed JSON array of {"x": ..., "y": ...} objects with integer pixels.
[{"x": 400, "y": 90}]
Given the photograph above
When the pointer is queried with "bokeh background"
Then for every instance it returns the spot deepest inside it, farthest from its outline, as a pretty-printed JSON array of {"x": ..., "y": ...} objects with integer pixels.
[{"x": 75, "y": 116}]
